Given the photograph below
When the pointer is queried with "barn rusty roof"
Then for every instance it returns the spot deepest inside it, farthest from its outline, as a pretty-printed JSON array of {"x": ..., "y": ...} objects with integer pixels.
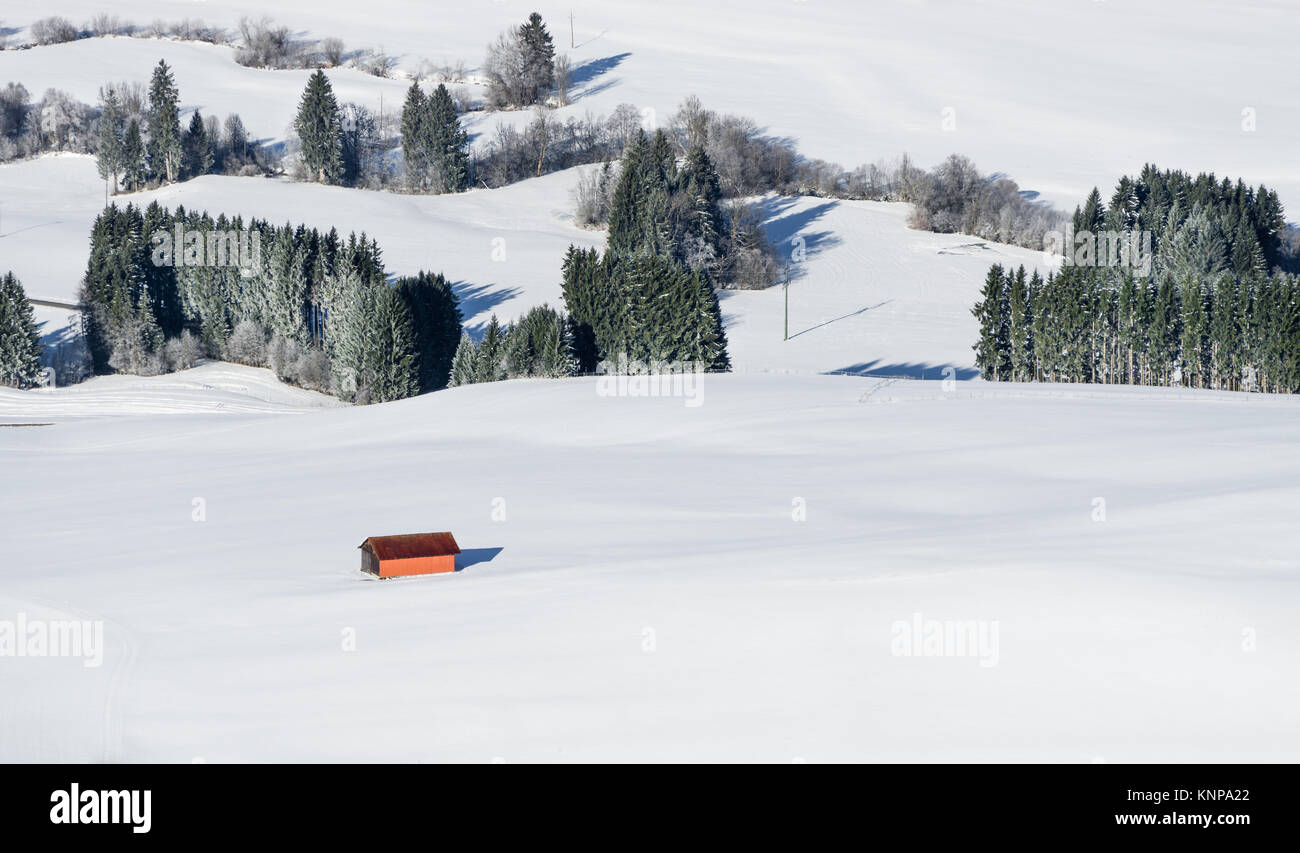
[{"x": 410, "y": 545}]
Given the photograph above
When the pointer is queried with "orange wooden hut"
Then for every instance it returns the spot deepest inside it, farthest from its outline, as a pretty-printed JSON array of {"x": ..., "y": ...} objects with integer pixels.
[{"x": 409, "y": 554}]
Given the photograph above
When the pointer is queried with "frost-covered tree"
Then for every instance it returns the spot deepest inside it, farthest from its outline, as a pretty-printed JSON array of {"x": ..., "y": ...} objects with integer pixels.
[
  {"x": 111, "y": 136},
  {"x": 320, "y": 131},
  {"x": 464, "y": 366},
  {"x": 20, "y": 347},
  {"x": 164, "y": 145}
]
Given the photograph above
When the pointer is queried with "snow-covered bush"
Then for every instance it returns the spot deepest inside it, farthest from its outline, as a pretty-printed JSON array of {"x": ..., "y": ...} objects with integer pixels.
[
  {"x": 53, "y": 30},
  {"x": 247, "y": 344}
]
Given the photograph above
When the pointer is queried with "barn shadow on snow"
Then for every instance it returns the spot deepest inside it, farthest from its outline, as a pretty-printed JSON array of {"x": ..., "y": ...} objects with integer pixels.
[{"x": 473, "y": 556}]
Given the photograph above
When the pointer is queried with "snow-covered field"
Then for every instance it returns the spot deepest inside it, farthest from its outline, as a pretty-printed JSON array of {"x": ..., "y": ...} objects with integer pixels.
[
  {"x": 757, "y": 577},
  {"x": 646, "y": 592},
  {"x": 1063, "y": 95}
]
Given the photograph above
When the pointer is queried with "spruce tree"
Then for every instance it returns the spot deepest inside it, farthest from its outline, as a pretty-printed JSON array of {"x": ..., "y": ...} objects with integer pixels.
[
  {"x": 320, "y": 130},
  {"x": 109, "y": 158},
  {"x": 436, "y": 321},
  {"x": 490, "y": 364},
  {"x": 134, "y": 173},
  {"x": 992, "y": 351},
  {"x": 1019, "y": 337},
  {"x": 164, "y": 146},
  {"x": 20, "y": 347},
  {"x": 448, "y": 143},
  {"x": 464, "y": 366},
  {"x": 197, "y": 148},
  {"x": 538, "y": 57},
  {"x": 415, "y": 147}
]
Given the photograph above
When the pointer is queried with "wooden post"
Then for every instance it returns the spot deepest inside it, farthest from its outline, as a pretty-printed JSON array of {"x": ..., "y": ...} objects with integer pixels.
[{"x": 786, "y": 288}]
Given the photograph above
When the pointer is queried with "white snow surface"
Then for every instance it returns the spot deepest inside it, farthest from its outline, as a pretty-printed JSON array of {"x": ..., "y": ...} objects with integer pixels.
[
  {"x": 645, "y": 579},
  {"x": 1062, "y": 96},
  {"x": 647, "y": 594}
]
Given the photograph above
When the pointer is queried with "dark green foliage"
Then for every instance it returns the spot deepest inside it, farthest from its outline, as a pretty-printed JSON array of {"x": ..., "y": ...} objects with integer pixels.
[
  {"x": 197, "y": 154},
  {"x": 20, "y": 347},
  {"x": 321, "y": 306},
  {"x": 320, "y": 131},
  {"x": 992, "y": 352},
  {"x": 434, "y": 145},
  {"x": 436, "y": 321},
  {"x": 164, "y": 148},
  {"x": 134, "y": 172}
]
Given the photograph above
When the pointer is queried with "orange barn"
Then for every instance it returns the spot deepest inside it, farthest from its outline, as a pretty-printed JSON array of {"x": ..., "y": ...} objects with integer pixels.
[{"x": 409, "y": 554}]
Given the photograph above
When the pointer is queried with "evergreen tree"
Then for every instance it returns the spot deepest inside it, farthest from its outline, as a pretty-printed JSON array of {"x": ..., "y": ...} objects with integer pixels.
[
  {"x": 20, "y": 347},
  {"x": 110, "y": 156},
  {"x": 992, "y": 353},
  {"x": 197, "y": 148},
  {"x": 164, "y": 147},
  {"x": 134, "y": 173},
  {"x": 464, "y": 367},
  {"x": 390, "y": 367},
  {"x": 1019, "y": 334},
  {"x": 490, "y": 364},
  {"x": 436, "y": 321},
  {"x": 538, "y": 57},
  {"x": 320, "y": 131},
  {"x": 415, "y": 141},
  {"x": 448, "y": 143}
]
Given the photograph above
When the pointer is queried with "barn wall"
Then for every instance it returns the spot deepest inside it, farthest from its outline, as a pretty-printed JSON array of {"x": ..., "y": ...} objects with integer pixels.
[{"x": 417, "y": 566}]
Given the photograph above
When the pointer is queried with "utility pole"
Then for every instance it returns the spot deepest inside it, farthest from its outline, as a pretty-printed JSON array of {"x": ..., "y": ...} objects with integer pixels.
[
  {"x": 571, "y": 29},
  {"x": 786, "y": 288}
]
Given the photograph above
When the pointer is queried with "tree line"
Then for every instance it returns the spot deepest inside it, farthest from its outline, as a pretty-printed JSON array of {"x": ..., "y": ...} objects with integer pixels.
[
  {"x": 317, "y": 308},
  {"x": 1214, "y": 309}
]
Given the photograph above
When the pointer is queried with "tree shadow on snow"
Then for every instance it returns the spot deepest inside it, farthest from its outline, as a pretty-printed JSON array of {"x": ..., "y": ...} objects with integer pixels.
[
  {"x": 915, "y": 370},
  {"x": 864, "y": 309},
  {"x": 477, "y": 299},
  {"x": 580, "y": 78},
  {"x": 783, "y": 228}
]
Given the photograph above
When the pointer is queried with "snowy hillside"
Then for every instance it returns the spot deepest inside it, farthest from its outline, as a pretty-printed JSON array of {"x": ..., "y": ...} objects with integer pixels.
[
  {"x": 869, "y": 295},
  {"x": 675, "y": 611},
  {"x": 847, "y": 548},
  {"x": 851, "y": 82}
]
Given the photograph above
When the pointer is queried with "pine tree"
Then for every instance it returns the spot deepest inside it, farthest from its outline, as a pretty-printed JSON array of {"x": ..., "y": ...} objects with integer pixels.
[
  {"x": 539, "y": 58},
  {"x": 415, "y": 148},
  {"x": 448, "y": 143},
  {"x": 20, "y": 347},
  {"x": 164, "y": 147},
  {"x": 464, "y": 366},
  {"x": 490, "y": 364},
  {"x": 992, "y": 350},
  {"x": 436, "y": 321},
  {"x": 390, "y": 364},
  {"x": 134, "y": 173},
  {"x": 110, "y": 156},
  {"x": 197, "y": 148},
  {"x": 1019, "y": 334},
  {"x": 320, "y": 131}
]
